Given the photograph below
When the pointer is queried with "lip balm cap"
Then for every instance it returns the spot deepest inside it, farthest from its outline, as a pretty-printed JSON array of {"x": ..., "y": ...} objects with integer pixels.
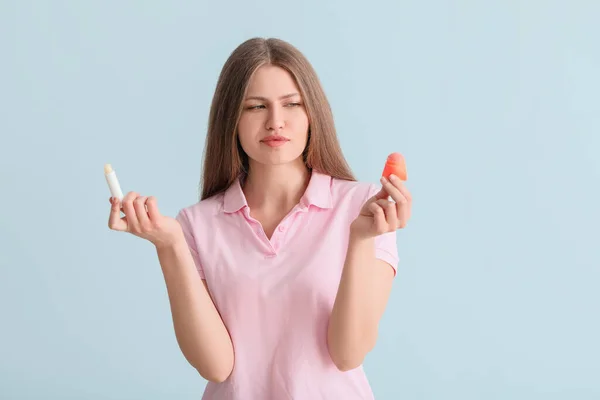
[{"x": 395, "y": 158}]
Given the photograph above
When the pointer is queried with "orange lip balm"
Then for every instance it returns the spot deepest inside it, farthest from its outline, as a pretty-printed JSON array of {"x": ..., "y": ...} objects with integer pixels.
[{"x": 395, "y": 165}]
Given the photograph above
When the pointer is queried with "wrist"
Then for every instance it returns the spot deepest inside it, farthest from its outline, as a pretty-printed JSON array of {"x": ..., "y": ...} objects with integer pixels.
[
  {"x": 358, "y": 232},
  {"x": 358, "y": 237},
  {"x": 175, "y": 242}
]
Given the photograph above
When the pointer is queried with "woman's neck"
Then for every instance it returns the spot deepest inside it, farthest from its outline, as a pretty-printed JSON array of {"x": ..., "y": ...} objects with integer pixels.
[{"x": 276, "y": 187}]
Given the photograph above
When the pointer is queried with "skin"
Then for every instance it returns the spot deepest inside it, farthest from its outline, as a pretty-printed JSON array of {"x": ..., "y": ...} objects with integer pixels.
[
  {"x": 199, "y": 329},
  {"x": 277, "y": 176},
  {"x": 277, "y": 179}
]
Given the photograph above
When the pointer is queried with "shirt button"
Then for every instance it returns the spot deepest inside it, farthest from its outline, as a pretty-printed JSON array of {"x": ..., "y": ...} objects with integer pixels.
[{"x": 281, "y": 228}]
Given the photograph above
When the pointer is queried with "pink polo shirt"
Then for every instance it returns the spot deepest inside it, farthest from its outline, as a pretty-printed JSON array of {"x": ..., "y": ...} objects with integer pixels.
[{"x": 275, "y": 296}]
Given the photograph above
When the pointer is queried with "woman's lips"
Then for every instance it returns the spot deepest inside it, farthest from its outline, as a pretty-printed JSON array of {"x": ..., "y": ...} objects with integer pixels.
[{"x": 275, "y": 141}]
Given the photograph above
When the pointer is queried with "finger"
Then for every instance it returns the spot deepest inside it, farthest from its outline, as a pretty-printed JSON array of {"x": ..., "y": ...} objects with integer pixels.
[
  {"x": 393, "y": 191},
  {"x": 382, "y": 194},
  {"x": 129, "y": 210},
  {"x": 397, "y": 182},
  {"x": 378, "y": 217},
  {"x": 403, "y": 208},
  {"x": 115, "y": 222},
  {"x": 139, "y": 204},
  {"x": 110, "y": 199},
  {"x": 120, "y": 205},
  {"x": 152, "y": 206},
  {"x": 402, "y": 203},
  {"x": 391, "y": 215}
]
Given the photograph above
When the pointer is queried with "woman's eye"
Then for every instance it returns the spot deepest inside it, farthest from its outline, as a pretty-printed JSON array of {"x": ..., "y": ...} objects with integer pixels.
[{"x": 262, "y": 106}]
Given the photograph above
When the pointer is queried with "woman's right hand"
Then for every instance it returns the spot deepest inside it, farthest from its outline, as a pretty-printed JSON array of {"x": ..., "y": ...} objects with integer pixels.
[{"x": 143, "y": 219}]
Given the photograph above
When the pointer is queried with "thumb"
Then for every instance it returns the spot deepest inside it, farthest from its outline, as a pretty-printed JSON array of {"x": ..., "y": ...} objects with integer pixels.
[
  {"x": 115, "y": 221},
  {"x": 381, "y": 195}
]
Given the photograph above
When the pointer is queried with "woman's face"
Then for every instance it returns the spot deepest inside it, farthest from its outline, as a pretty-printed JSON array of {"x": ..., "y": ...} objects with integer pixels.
[{"x": 273, "y": 128}]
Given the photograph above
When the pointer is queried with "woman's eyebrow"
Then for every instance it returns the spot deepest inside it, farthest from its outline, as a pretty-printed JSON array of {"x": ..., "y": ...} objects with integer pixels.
[{"x": 287, "y": 96}]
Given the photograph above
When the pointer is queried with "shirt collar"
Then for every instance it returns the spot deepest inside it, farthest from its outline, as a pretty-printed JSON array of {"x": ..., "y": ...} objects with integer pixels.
[{"x": 318, "y": 193}]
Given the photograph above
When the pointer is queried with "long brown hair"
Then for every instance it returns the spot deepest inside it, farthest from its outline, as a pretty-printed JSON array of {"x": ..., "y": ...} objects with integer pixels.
[{"x": 224, "y": 159}]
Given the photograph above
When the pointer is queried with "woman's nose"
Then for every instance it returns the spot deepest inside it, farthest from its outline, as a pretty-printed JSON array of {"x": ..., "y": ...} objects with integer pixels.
[{"x": 275, "y": 120}]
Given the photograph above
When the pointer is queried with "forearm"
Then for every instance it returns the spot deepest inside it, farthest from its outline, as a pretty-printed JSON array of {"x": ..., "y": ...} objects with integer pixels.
[
  {"x": 199, "y": 329},
  {"x": 353, "y": 323}
]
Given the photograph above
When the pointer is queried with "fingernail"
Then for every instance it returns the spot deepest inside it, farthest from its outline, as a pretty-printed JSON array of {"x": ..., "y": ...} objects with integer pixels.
[
  {"x": 383, "y": 180},
  {"x": 393, "y": 177}
]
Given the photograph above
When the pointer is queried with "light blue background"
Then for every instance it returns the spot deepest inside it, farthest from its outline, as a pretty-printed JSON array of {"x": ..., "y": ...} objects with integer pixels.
[{"x": 493, "y": 103}]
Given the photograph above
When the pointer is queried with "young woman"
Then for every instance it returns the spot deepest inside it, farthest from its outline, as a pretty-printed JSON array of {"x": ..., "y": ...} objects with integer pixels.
[{"x": 278, "y": 277}]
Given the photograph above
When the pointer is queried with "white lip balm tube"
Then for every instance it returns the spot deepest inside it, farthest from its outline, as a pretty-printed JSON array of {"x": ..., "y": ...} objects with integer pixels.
[{"x": 113, "y": 182}]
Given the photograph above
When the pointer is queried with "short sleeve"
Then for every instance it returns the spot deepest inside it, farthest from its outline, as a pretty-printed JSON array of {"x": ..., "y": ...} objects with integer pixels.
[
  {"x": 386, "y": 247},
  {"x": 188, "y": 233}
]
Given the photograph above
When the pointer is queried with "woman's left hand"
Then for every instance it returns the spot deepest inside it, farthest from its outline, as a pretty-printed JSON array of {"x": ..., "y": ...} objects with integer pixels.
[{"x": 380, "y": 215}]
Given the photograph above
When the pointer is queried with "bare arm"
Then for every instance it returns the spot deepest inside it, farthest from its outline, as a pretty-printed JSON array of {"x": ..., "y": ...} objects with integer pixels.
[
  {"x": 366, "y": 281},
  {"x": 359, "y": 305},
  {"x": 199, "y": 329}
]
